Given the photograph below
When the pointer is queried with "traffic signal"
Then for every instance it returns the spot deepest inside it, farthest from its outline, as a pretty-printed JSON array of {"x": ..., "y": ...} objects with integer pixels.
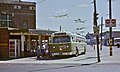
[{"x": 97, "y": 16}]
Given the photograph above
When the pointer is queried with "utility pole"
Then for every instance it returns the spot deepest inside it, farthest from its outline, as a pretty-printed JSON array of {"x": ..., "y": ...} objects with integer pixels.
[
  {"x": 101, "y": 32},
  {"x": 110, "y": 28},
  {"x": 96, "y": 31}
]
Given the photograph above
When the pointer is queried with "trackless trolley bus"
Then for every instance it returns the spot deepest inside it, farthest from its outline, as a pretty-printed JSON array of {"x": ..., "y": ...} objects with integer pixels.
[{"x": 63, "y": 43}]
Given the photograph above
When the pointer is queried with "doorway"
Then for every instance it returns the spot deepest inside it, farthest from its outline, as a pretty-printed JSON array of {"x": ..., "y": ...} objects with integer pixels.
[{"x": 14, "y": 48}]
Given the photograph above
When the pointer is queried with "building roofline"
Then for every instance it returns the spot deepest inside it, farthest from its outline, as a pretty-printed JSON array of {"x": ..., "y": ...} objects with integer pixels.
[{"x": 19, "y": 2}]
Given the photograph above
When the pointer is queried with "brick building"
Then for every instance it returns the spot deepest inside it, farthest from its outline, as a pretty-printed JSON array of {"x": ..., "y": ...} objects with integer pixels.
[
  {"x": 17, "y": 14},
  {"x": 18, "y": 34}
]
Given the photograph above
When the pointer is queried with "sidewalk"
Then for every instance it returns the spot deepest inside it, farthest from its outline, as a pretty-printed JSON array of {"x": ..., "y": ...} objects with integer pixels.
[
  {"x": 89, "y": 58},
  {"x": 106, "y": 58}
]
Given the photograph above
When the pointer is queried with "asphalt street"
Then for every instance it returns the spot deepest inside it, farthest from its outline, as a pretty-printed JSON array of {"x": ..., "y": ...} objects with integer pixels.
[{"x": 82, "y": 63}]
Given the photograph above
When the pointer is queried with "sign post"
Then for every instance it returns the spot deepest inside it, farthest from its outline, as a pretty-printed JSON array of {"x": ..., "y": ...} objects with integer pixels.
[{"x": 110, "y": 23}]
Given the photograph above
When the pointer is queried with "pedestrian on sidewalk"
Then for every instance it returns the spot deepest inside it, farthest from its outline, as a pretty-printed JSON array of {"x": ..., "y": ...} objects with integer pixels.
[
  {"x": 43, "y": 50},
  {"x": 47, "y": 53},
  {"x": 38, "y": 52}
]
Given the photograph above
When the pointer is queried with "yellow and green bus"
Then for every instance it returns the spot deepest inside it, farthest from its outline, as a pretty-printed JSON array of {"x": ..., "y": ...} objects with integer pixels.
[{"x": 65, "y": 43}]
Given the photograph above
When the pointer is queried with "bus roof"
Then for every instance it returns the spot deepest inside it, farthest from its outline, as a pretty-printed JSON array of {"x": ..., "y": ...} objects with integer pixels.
[{"x": 67, "y": 33}]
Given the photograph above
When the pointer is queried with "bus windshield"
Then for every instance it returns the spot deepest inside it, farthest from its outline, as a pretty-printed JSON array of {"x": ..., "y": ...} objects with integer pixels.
[{"x": 61, "y": 39}]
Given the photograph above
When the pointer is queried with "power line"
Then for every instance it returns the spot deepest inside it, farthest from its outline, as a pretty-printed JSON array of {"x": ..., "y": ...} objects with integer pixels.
[{"x": 40, "y": 1}]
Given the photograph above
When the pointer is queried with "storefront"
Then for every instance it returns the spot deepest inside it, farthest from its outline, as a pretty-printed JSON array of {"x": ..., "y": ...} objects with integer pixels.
[{"x": 16, "y": 43}]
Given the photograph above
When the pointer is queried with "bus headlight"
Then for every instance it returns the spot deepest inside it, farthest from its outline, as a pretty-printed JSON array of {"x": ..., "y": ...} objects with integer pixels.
[
  {"x": 60, "y": 49},
  {"x": 67, "y": 46},
  {"x": 53, "y": 46}
]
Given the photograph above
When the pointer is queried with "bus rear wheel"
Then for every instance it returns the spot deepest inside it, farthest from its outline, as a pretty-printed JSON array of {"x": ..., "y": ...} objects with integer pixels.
[{"x": 77, "y": 52}]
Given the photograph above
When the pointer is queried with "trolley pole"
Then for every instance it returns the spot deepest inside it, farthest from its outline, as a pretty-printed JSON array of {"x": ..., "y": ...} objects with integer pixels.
[
  {"x": 60, "y": 28},
  {"x": 110, "y": 28},
  {"x": 96, "y": 30}
]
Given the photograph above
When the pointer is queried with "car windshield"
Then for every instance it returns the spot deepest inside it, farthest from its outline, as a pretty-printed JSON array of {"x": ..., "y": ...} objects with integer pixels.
[{"x": 61, "y": 39}]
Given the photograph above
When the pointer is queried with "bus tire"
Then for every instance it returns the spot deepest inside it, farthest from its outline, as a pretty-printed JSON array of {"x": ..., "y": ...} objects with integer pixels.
[
  {"x": 77, "y": 52},
  {"x": 84, "y": 50}
]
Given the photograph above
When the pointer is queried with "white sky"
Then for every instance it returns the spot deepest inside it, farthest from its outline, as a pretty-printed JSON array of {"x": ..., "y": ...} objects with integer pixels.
[{"x": 75, "y": 9}]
